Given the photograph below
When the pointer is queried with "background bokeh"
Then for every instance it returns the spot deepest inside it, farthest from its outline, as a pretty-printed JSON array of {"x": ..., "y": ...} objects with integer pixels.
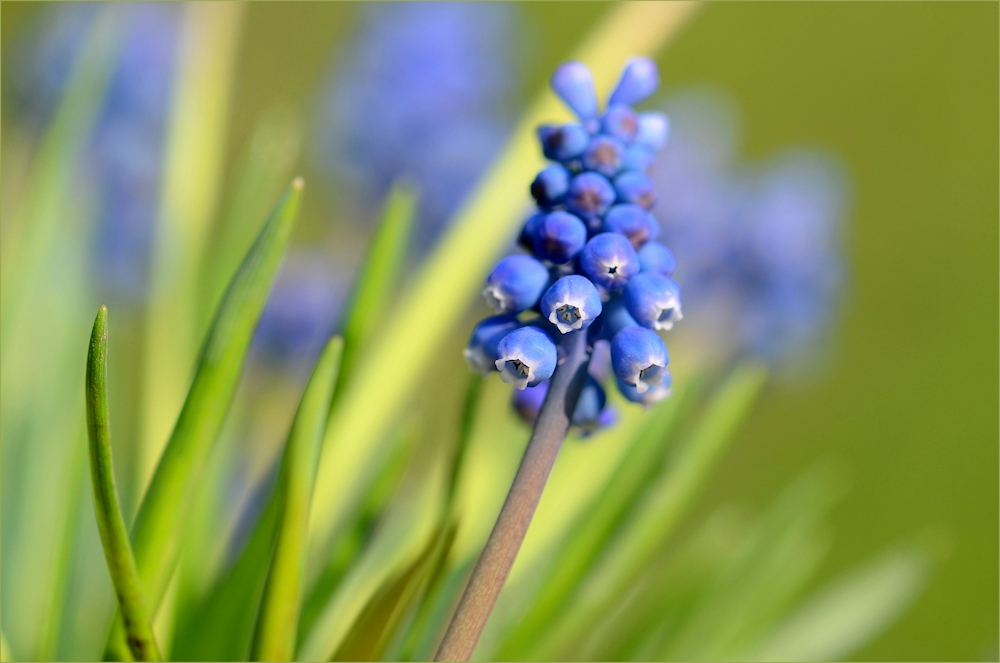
[{"x": 906, "y": 94}]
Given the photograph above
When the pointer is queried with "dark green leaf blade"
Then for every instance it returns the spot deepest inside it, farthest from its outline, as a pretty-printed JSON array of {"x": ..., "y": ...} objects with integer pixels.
[{"x": 157, "y": 531}]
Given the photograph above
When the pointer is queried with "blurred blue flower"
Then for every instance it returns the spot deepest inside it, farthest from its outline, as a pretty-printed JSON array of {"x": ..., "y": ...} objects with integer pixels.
[
  {"x": 559, "y": 237},
  {"x": 423, "y": 89},
  {"x": 763, "y": 267},
  {"x": 123, "y": 163},
  {"x": 481, "y": 353},
  {"x": 653, "y": 300},
  {"x": 302, "y": 310}
]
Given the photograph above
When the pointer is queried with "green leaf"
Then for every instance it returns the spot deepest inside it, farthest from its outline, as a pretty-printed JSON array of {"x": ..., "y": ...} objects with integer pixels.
[
  {"x": 448, "y": 282},
  {"x": 157, "y": 531},
  {"x": 379, "y": 274},
  {"x": 597, "y": 523},
  {"x": 844, "y": 616},
  {"x": 5, "y": 654},
  {"x": 375, "y": 626},
  {"x": 661, "y": 511},
  {"x": 279, "y": 616},
  {"x": 114, "y": 534}
]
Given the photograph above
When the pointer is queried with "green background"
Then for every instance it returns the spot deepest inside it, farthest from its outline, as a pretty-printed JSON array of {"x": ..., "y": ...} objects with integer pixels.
[{"x": 907, "y": 94}]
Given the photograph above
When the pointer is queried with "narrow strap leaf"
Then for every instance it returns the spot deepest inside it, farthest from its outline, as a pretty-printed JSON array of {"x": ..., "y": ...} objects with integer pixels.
[
  {"x": 379, "y": 274},
  {"x": 114, "y": 535},
  {"x": 279, "y": 616},
  {"x": 157, "y": 530}
]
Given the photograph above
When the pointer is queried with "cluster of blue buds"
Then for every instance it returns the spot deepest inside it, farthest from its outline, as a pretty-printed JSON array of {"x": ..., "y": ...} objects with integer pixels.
[{"x": 594, "y": 265}]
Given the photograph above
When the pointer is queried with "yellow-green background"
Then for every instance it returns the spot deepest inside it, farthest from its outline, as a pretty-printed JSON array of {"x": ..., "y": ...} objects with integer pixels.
[{"x": 907, "y": 94}]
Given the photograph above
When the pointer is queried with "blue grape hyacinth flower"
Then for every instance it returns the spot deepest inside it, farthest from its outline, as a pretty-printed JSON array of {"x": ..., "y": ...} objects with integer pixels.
[
  {"x": 639, "y": 357},
  {"x": 526, "y": 357},
  {"x": 571, "y": 303},
  {"x": 592, "y": 218},
  {"x": 653, "y": 300}
]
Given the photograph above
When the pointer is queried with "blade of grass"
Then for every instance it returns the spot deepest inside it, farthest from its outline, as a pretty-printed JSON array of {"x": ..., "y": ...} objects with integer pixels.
[
  {"x": 279, "y": 616},
  {"x": 378, "y": 622},
  {"x": 158, "y": 526},
  {"x": 661, "y": 511},
  {"x": 597, "y": 523},
  {"x": 379, "y": 274},
  {"x": 5, "y": 654},
  {"x": 843, "y": 616},
  {"x": 193, "y": 167},
  {"x": 446, "y": 284},
  {"x": 114, "y": 535}
]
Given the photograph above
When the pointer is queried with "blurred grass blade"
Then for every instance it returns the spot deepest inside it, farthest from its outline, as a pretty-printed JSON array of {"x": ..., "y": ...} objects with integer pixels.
[
  {"x": 598, "y": 522},
  {"x": 378, "y": 622},
  {"x": 194, "y": 158},
  {"x": 447, "y": 283},
  {"x": 232, "y": 606},
  {"x": 279, "y": 615},
  {"x": 379, "y": 274},
  {"x": 114, "y": 535},
  {"x": 5, "y": 654},
  {"x": 158, "y": 527},
  {"x": 840, "y": 619},
  {"x": 661, "y": 511}
]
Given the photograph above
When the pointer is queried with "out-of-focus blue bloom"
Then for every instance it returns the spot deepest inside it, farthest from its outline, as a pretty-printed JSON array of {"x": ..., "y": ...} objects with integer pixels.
[
  {"x": 640, "y": 78},
  {"x": 604, "y": 155},
  {"x": 516, "y": 284},
  {"x": 653, "y": 130},
  {"x": 632, "y": 221},
  {"x": 622, "y": 123},
  {"x": 526, "y": 357},
  {"x": 609, "y": 260},
  {"x": 481, "y": 353},
  {"x": 639, "y": 357},
  {"x": 635, "y": 187},
  {"x": 590, "y": 415},
  {"x": 655, "y": 257},
  {"x": 590, "y": 406},
  {"x": 559, "y": 237},
  {"x": 528, "y": 402},
  {"x": 653, "y": 300},
  {"x": 423, "y": 89},
  {"x": 124, "y": 161},
  {"x": 564, "y": 143},
  {"x": 590, "y": 195},
  {"x": 763, "y": 265},
  {"x": 574, "y": 84},
  {"x": 550, "y": 186},
  {"x": 526, "y": 240},
  {"x": 639, "y": 157},
  {"x": 571, "y": 303},
  {"x": 615, "y": 318},
  {"x": 302, "y": 309}
]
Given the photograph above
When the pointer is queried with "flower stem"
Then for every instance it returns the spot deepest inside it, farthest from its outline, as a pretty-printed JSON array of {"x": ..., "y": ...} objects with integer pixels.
[{"x": 501, "y": 549}]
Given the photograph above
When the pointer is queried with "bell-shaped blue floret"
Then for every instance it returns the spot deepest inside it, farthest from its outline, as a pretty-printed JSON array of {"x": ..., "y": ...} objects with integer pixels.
[
  {"x": 526, "y": 357},
  {"x": 516, "y": 284},
  {"x": 550, "y": 186},
  {"x": 651, "y": 396},
  {"x": 634, "y": 222},
  {"x": 655, "y": 257},
  {"x": 653, "y": 300},
  {"x": 526, "y": 239},
  {"x": 481, "y": 353},
  {"x": 638, "y": 157},
  {"x": 571, "y": 303},
  {"x": 635, "y": 186},
  {"x": 589, "y": 407},
  {"x": 590, "y": 195},
  {"x": 604, "y": 155},
  {"x": 654, "y": 128},
  {"x": 638, "y": 358},
  {"x": 563, "y": 143},
  {"x": 620, "y": 122},
  {"x": 609, "y": 260},
  {"x": 639, "y": 80},
  {"x": 559, "y": 237},
  {"x": 574, "y": 84}
]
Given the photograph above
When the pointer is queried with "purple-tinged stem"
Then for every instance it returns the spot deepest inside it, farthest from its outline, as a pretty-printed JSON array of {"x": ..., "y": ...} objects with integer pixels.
[{"x": 501, "y": 549}]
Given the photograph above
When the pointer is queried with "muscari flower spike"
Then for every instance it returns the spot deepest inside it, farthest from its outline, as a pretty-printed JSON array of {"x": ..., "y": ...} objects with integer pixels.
[{"x": 596, "y": 266}]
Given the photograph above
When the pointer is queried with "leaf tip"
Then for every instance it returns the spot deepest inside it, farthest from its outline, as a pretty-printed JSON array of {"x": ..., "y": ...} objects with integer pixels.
[{"x": 298, "y": 184}]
